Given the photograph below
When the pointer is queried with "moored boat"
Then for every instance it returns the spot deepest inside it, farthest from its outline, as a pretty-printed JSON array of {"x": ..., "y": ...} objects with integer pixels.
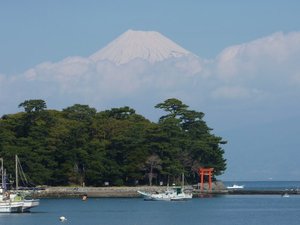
[
  {"x": 235, "y": 186},
  {"x": 171, "y": 194},
  {"x": 14, "y": 201},
  {"x": 10, "y": 207},
  {"x": 285, "y": 195}
]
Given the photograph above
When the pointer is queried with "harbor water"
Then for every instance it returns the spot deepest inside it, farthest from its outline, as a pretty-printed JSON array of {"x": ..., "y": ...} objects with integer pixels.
[{"x": 217, "y": 210}]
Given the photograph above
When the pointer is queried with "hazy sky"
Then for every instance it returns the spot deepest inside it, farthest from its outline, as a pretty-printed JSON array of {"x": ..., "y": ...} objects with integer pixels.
[{"x": 254, "y": 46}]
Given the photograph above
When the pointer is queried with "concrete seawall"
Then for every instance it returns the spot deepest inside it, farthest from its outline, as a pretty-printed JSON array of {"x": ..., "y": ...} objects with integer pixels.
[
  {"x": 131, "y": 192},
  {"x": 218, "y": 188},
  {"x": 103, "y": 192},
  {"x": 125, "y": 192}
]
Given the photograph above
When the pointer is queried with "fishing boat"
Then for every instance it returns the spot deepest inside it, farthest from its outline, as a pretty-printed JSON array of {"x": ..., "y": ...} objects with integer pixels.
[
  {"x": 171, "y": 194},
  {"x": 10, "y": 207},
  {"x": 25, "y": 195},
  {"x": 13, "y": 201}
]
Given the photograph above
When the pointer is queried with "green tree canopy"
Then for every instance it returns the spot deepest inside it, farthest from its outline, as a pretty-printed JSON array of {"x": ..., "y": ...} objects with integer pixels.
[
  {"x": 34, "y": 105},
  {"x": 80, "y": 145}
]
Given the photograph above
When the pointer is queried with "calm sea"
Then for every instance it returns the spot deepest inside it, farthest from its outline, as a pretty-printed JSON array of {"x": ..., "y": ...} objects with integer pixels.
[
  {"x": 265, "y": 185},
  {"x": 221, "y": 210}
]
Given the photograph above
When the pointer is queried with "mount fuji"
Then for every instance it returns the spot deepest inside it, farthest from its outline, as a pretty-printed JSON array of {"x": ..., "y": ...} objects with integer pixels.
[
  {"x": 136, "y": 63},
  {"x": 150, "y": 46}
]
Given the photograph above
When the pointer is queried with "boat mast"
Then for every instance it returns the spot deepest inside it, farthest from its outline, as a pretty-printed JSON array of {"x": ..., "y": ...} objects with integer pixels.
[
  {"x": 17, "y": 181},
  {"x": 2, "y": 173}
]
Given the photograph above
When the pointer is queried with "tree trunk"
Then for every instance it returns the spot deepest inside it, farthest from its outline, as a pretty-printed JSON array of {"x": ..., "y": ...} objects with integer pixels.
[{"x": 151, "y": 175}]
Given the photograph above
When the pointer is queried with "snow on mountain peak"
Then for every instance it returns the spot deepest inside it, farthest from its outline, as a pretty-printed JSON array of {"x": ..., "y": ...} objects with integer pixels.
[{"x": 148, "y": 45}]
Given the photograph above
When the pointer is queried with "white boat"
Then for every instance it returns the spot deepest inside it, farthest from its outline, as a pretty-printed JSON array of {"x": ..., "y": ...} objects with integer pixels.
[
  {"x": 28, "y": 203},
  {"x": 235, "y": 186},
  {"x": 10, "y": 207},
  {"x": 171, "y": 194},
  {"x": 285, "y": 195},
  {"x": 14, "y": 201}
]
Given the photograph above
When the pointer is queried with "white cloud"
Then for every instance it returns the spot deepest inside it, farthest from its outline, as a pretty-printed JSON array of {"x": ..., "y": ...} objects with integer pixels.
[
  {"x": 270, "y": 55},
  {"x": 89, "y": 81}
]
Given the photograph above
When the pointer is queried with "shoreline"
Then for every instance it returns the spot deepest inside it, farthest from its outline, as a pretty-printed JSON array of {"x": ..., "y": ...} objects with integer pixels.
[
  {"x": 115, "y": 192},
  {"x": 218, "y": 188}
]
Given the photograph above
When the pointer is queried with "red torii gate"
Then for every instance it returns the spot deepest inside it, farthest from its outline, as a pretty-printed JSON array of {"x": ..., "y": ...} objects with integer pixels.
[{"x": 206, "y": 172}]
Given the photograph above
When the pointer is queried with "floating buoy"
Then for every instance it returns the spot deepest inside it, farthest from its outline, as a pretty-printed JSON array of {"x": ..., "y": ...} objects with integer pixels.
[
  {"x": 62, "y": 219},
  {"x": 84, "y": 197}
]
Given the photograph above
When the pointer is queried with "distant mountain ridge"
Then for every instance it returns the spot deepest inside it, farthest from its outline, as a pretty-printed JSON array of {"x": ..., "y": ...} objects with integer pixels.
[{"x": 147, "y": 45}]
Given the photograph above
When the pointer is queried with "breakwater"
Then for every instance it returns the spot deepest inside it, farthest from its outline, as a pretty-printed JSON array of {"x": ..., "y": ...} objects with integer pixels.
[
  {"x": 264, "y": 192},
  {"x": 125, "y": 192},
  {"x": 218, "y": 188},
  {"x": 103, "y": 192}
]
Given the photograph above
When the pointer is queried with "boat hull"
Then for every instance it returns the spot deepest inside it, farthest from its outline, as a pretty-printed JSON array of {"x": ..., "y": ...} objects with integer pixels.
[
  {"x": 166, "y": 196},
  {"x": 28, "y": 204},
  {"x": 11, "y": 207}
]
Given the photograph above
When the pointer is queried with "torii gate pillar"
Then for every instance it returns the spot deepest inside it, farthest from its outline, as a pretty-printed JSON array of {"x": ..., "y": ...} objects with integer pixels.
[{"x": 206, "y": 172}]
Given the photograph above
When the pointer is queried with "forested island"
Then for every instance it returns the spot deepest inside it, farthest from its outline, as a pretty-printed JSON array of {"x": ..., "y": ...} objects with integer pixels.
[{"x": 79, "y": 145}]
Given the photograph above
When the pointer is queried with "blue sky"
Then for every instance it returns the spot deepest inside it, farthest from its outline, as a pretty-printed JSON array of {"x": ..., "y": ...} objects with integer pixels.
[
  {"x": 53, "y": 30},
  {"x": 262, "y": 131}
]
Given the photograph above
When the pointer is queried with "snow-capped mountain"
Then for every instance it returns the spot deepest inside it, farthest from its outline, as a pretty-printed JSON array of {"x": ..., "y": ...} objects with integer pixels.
[
  {"x": 136, "y": 65},
  {"x": 147, "y": 45}
]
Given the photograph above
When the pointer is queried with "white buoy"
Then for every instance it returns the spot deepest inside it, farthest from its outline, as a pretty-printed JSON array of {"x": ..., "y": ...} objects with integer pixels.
[{"x": 62, "y": 219}]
